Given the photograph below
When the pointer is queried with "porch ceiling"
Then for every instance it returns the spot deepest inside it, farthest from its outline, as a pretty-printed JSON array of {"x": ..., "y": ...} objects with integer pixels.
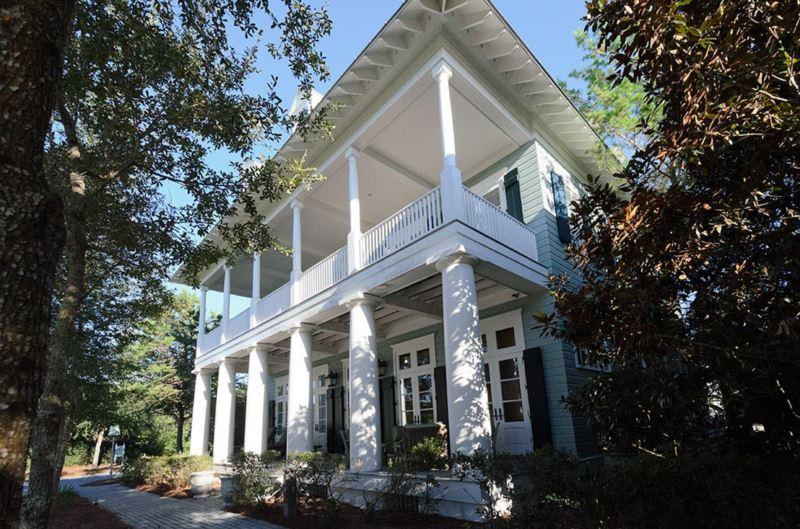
[
  {"x": 401, "y": 156},
  {"x": 393, "y": 317}
]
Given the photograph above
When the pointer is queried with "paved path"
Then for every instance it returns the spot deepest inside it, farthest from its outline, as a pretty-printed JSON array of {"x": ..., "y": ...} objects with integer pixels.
[{"x": 142, "y": 510}]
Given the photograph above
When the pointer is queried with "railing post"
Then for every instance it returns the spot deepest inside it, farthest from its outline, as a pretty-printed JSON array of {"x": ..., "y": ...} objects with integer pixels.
[
  {"x": 201, "y": 319},
  {"x": 226, "y": 303},
  {"x": 451, "y": 187},
  {"x": 297, "y": 242},
  {"x": 354, "y": 237},
  {"x": 256, "y": 294}
]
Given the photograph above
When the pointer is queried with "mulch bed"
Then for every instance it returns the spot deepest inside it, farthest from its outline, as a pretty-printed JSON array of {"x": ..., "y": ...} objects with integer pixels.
[
  {"x": 163, "y": 490},
  {"x": 102, "y": 482},
  {"x": 80, "y": 513},
  {"x": 311, "y": 515}
]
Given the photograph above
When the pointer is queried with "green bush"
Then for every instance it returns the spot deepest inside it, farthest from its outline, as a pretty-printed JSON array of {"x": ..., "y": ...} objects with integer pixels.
[
  {"x": 430, "y": 453},
  {"x": 164, "y": 471},
  {"x": 552, "y": 490},
  {"x": 255, "y": 477},
  {"x": 317, "y": 473}
]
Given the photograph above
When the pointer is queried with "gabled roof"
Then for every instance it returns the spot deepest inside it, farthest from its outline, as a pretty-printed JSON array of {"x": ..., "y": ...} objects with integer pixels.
[
  {"x": 487, "y": 39},
  {"x": 479, "y": 33}
]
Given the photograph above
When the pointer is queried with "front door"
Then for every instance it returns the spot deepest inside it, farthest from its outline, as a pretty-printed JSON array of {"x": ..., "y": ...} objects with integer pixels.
[
  {"x": 414, "y": 362},
  {"x": 320, "y": 405},
  {"x": 281, "y": 395},
  {"x": 502, "y": 340}
]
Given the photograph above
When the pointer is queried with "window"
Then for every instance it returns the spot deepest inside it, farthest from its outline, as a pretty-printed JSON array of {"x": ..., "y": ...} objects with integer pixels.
[
  {"x": 505, "y": 338},
  {"x": 513, "y": 196},
  {"x": 561, "y": 206},
  {"x": 414, "y": 367}
]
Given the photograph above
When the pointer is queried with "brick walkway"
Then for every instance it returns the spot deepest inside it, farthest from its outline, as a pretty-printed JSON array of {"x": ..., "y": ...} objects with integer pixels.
[{"x": 142, "y": 510}]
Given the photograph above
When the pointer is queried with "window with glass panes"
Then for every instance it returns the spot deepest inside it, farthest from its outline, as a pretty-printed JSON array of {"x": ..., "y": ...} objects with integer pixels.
[{"x": 415, "y": 384}]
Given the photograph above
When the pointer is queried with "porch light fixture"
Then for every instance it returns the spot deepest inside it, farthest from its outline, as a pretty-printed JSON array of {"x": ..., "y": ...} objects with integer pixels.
[
  {"x": 382, "y": 367},
  {"x": 333, "y": 378}
]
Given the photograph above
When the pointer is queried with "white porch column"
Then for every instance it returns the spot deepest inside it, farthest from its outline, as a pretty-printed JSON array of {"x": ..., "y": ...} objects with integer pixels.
[
  {"x": 255, "y": 422},
  {"x": 255, "y": 297},
  {"x": 201, "y": 414},
  {"x": 364, "y": 390},
  {"x": 451, "y": 187},
  {"x": 299, "y": 421},
  {"x": 226, "y": 302},
  {"x": 225, "y": 412},
  {"x": 354, "y": 237},
  {"x": 201, "y": 318},
  {"x": 468, "y": 406},
  {"x": 297, "y": 244}
]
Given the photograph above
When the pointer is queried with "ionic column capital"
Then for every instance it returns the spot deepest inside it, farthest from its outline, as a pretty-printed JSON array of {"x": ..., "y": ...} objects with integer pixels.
[
  {"x": 442, "y": 71},
  {"x": 352, "y": 153},
  {"x": 301, "y": 327},
  {"x": 456, "y": 259},
  {"x": 361, "y": 298}
]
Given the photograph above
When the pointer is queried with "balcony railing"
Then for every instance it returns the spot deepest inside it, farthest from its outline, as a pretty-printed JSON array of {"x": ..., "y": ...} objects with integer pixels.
[
  {"x": 273, "y": 303},
  {"x": 324, "y": 274},
  {"x": 401, "y": 229},
  {"x": 408, "y": 225},
  {"x": 499, "y": 225}
]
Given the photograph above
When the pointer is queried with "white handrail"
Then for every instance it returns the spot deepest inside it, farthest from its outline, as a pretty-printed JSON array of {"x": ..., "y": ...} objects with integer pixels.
[
  {"x": 499, "y": 225},
  {"x": 324, "y": 274},
  {"x": 404, "y": 227},
  {"x": 211, "y": 339},
  {"x": 273, "y": 303}
]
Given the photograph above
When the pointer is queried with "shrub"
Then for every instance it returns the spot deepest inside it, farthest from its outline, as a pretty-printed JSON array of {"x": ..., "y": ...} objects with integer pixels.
[
  {"x": 548, "y": 489},
  {"x": 165, "y": 471},
  {"x": 317, "y": 473},
  {"x": 255, "y": 477},
  {"x": 430, "y": 453}
]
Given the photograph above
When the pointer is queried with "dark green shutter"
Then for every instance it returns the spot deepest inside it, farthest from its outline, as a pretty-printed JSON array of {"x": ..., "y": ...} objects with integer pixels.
[
  {"x": 387, "y": 403},
  {"x": 440, "y": 386},
  {"x": 561, "y": 207},
  {"x": 513, "y": 196},
  {"x": 335, "y": 419},
  {"x": 537, "y": 397}
]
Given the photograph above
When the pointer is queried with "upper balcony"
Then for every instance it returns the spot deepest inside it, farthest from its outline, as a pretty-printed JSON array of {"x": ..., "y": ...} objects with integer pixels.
[
  {"x": 392, "y": 187},
  {"x": 403, "y": 229}
]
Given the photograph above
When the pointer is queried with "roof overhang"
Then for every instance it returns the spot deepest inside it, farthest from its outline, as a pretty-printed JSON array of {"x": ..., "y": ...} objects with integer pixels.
[{"x": 477, "y": 39}]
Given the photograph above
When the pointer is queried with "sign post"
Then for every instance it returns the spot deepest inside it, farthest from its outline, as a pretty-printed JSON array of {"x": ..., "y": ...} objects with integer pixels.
[{"x": 113, "y": 433}]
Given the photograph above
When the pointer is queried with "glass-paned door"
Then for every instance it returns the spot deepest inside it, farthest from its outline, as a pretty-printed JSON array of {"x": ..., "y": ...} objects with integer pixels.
[
  {"x": 320, "y": 405},
  {"x": 281, "y": 395},
  {"x": 502, "y": 341},
  {"x": 414, "y": 363}
]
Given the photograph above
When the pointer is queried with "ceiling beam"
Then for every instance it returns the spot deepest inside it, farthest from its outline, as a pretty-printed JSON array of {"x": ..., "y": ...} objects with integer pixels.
[
  {"x": 398, "y": 168},
  {"x": 340, "y": 328},
  {"x": 426, "y": 309}
]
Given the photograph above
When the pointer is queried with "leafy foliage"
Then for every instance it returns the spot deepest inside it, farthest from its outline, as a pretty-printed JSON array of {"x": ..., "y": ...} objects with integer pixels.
[
  {"x": 697, "y": 258},
  {"x": 255, "y": 477},
  {"x": 171, "y": 472},
  {"x": 431, "y": 453},
  {"x": 553, "y": 490}
]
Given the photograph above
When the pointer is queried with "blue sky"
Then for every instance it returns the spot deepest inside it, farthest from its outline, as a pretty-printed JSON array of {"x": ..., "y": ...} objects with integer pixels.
[{"x": 547, "y": 26}]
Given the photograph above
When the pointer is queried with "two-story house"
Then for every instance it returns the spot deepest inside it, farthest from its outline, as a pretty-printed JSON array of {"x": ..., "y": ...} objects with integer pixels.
[{"x": 418, "y": 261}]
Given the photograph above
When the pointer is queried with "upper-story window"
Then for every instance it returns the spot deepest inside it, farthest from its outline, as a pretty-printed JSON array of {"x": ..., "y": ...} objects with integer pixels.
[{"x": 561, "y": 206}]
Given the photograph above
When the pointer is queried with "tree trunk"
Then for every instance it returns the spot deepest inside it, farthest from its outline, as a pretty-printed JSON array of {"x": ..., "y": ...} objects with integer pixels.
[
  {"x": 98, "y": 446},
  {"x": 50, "y": 429},
  {"x": 32, "y": 35},
  {"x": 179, "y": 422}
]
